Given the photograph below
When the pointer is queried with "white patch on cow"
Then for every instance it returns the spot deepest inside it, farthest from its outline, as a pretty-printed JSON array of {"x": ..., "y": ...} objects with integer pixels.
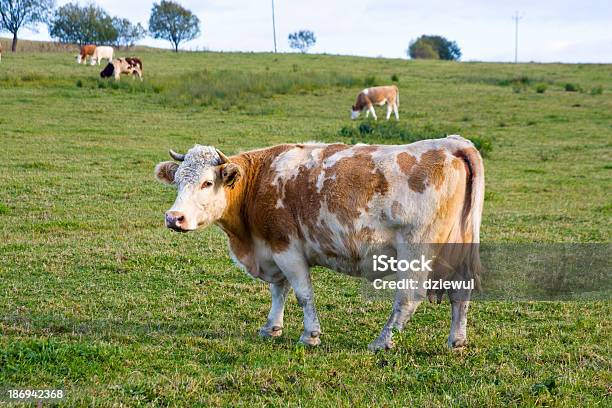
[
  {"x": 334, "y": 158},
  {"x": 320, "y": 181},
  {"x": 365, "y": 91},
  {"x": 287, "y": 164}
]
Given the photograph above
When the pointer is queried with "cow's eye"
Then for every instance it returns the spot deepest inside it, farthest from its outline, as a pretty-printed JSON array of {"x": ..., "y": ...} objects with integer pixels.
[{"x": 207, "y": 184}]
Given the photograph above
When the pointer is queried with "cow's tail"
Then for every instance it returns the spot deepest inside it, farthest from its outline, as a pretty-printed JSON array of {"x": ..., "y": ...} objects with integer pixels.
[{"x": 471, "y": 215}]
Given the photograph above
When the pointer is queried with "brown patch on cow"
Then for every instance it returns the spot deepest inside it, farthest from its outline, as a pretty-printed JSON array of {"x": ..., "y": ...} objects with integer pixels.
[
  {"x": 87, "y": 50},
  {"x": 351, "y": 183},
  {"x": 405, "y": 162},
  {"x": 361, "y": 102},
  {"x": 251, "y": 207},
  {"x": 134, "y": 62},
  {"x": 252, "y": 204},
  {"x": 332, "y": 149},
  {"x": 428, "y": 171}
]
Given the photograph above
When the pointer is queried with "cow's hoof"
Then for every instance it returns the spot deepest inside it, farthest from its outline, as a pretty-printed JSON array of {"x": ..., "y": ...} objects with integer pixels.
[
  {"x": 311, "y": 339},
  {"x": 457, "y": 343},
  {"x": 268, "y": 331},
  {"x": 381, "y": 344}
]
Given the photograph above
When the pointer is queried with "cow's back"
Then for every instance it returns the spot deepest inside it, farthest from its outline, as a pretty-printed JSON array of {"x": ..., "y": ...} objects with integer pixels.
[{"x": 104, "y": 52}]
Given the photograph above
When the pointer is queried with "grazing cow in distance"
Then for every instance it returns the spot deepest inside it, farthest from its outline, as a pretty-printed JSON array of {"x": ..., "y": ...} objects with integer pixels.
[
  {"x": 86, "y": 51},
  {"x": 378, "y": 95},
  {"x": 101, "y": 53},
  {"x": 287, "y": 208},
  {"x": 122, "y": 66}
]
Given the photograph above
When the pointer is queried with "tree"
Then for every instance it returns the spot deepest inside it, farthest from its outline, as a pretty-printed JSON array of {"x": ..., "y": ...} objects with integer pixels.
[
  {"x": 89, "y": 24},
  {"x": 17, "y": 14},
  {"x": 302, "y": 40},
  {"x": 423, "y": 50},
  {"x": 127, "y": 33},
  {"x": 171, "y": 21},
  {"x": 434, "y": 47}
]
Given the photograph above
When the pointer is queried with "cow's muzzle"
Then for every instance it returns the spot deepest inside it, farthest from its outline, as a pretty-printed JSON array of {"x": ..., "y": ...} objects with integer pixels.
[{"x": 176, "y": 220}]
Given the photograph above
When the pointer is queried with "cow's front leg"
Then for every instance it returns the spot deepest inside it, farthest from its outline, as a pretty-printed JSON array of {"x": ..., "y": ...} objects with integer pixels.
[
  {"x": 373, "y": 112},
  {"x": 296, "y": 270},
  {"x": 460, "y": 303},
  {"x": 274, "y": 325}
]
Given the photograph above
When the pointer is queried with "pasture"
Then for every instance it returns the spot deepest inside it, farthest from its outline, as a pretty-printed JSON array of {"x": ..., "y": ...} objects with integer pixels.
[{"x": 99, "y": 299}]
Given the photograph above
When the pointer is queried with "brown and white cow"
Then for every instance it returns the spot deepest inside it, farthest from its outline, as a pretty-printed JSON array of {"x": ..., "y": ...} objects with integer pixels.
[
  {"x": 115, "y": 68},
  {"x": 290, "y": 207},
  {"x": 378, "y": 95},
  {"x": 86, "y": 51}
]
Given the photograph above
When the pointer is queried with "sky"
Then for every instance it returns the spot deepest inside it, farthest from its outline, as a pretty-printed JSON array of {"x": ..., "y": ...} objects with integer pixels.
[{"x": 549, "y": 31}]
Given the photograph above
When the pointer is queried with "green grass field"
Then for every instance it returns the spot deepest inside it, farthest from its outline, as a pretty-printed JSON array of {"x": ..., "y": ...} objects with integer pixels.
[{"x": 99, "y": 299}]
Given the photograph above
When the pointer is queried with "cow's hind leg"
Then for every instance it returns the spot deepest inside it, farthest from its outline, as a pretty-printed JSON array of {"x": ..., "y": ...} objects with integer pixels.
[
  {"x": 395, "y": 112},
  {"x": 274, "y": 325},
  {"x": 388, "y": 110},
  {"x": 405, "y": 304},
  {"x": 403, "y": 309},
  {"x": 297, "y": 272},
  {"x": 460, "y": 303}
]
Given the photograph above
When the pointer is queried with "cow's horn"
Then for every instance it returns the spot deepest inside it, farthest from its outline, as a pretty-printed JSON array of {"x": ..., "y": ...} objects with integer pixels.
[
  {"x": 223, "y": 157},
  {"x": 176, "y": 156}
]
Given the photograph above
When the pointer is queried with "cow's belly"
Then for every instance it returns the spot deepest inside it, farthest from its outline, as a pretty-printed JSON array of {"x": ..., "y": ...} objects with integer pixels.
[{"x": 349, "y": 253}]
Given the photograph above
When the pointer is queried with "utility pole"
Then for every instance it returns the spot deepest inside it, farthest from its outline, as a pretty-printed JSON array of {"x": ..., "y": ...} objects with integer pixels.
[
  {"x": 273, "y": 27},
  {"x": 516, "y": 19}
]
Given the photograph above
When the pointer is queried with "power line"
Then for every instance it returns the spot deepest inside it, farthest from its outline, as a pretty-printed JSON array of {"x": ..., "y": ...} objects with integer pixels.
[
  {"x": 273, "y": 27},
  {"x": 516, "y": 19}
]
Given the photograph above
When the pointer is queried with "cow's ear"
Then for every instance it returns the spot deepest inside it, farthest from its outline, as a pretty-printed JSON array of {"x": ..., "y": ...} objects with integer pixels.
[
  {"x": 165, "y": 171},
  {"x": 230, "y": 173}
]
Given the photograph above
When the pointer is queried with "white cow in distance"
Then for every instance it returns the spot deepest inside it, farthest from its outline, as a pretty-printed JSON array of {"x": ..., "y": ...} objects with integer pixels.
[{"x": 100, "y": 53}]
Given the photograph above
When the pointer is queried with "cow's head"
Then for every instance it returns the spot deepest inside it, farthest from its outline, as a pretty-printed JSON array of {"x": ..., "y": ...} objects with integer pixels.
[
  {"x": 201, "y": 177},
  {"x": 355, "y": 112},
  {"x": 108, "y": 71},
  {"x": 79, "y": 58}
]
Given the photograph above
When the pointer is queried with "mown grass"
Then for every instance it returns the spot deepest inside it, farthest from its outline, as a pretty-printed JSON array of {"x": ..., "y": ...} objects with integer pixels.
[{"x": 98, "y": 298}]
